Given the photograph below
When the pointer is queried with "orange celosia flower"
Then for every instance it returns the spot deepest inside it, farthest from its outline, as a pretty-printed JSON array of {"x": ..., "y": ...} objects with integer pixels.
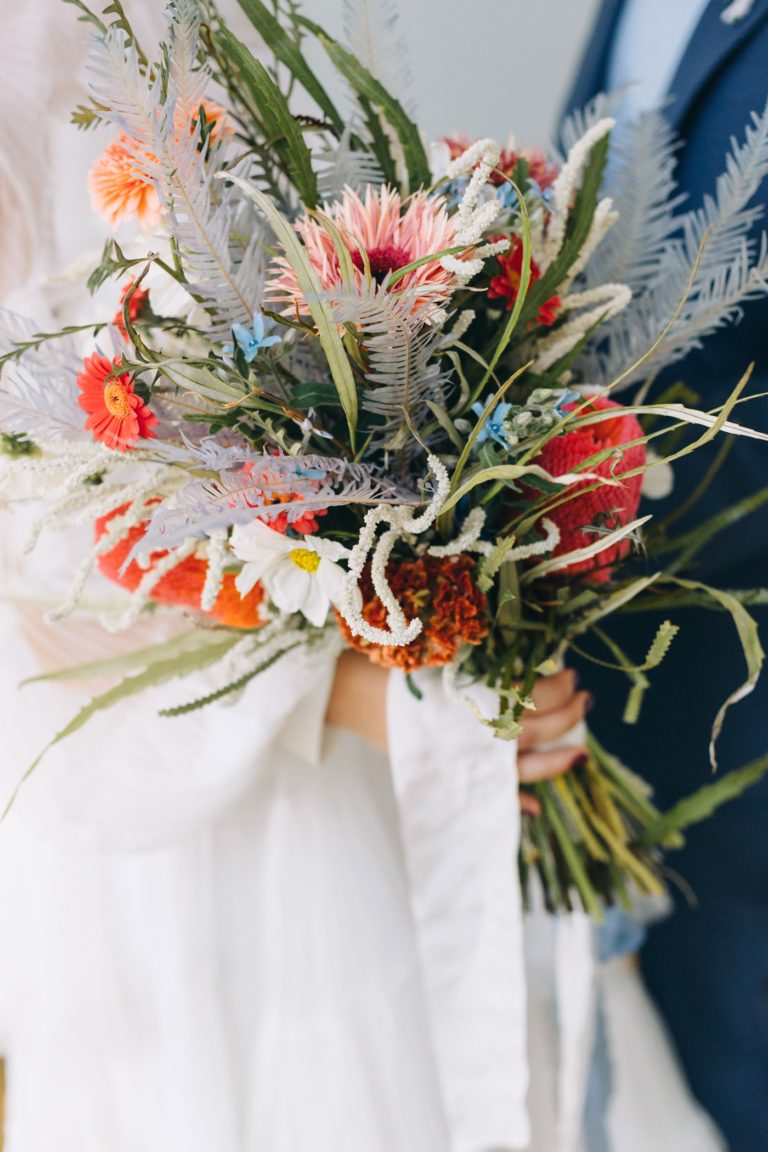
[
  {"x": 183, "y": 585},
  {"x": 116, "y": 415},
  {"x": 119, "y": 191},
  {"x": 443, "y": 594}
]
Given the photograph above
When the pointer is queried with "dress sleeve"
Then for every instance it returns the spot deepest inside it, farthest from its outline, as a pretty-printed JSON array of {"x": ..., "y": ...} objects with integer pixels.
[{"x": 131, "y": 779}]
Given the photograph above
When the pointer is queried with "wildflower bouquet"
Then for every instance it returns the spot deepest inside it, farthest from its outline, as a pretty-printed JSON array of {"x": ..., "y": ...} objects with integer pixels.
[{"x": 359, "y": 387}]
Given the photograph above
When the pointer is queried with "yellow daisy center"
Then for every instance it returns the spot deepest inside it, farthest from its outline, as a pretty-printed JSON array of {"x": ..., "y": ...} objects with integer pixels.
[
  {"x": 116, "y": 400},
  {"x": 305, "y": 559}
]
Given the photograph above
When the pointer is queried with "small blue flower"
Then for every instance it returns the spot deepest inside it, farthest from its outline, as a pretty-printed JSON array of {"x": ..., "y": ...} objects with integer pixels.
[
  {"x": 493, "y": 428},
  {"x": 567, "y": 398},
  {"x": 250, "y": 342}
]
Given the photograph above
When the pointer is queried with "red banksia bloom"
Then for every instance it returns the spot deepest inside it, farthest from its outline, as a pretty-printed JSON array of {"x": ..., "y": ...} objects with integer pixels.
[
  {"x": 610, "y": 507},
  {"x": 507, "y": 283},
  {"x": 443, "y": 594},
  {"x": 116, "y": 415},
  {"x": 183, "y": 585}
]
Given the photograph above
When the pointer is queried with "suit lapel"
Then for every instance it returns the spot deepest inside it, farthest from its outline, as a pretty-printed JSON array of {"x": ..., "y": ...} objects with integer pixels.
[
  {"x": 590, "y": 79},
  {"x": 710, "y": 47}
]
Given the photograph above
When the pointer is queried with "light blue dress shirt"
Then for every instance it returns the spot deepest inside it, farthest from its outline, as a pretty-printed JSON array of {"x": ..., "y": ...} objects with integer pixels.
[{"x": 650, "y": 41}]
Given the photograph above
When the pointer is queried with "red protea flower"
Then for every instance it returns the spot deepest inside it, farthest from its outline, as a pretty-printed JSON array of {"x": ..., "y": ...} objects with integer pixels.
[
  {"x": 609, "y": 507},
  {"x": 116, "y": 415},
  {"x": 507, "y": 283},
  {"x": 137, "y": 306},
  {"x": 442, "y": 592},
  {"x": 183, "y": 585}
]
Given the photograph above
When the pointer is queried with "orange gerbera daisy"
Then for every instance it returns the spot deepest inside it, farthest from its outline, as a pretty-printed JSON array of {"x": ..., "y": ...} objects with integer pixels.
[
  {"x": 383, "y": 230},
  {"x": 183, "y": 585},
  {"x": 116, "y": 415},
  {"x": 119, "y": 191}
]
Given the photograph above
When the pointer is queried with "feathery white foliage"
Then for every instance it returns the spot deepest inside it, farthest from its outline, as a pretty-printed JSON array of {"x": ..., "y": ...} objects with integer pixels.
[
  {"x": 372, "y": 31},
  {"x": 341, "y": 167},
  {"x": 641, "y": 180},
  {"x": 38, "y": 391},
  {"x": 733, "y": 269},
  {"x": 168, "y": 155},
  {"x": 401, "y": 348}
]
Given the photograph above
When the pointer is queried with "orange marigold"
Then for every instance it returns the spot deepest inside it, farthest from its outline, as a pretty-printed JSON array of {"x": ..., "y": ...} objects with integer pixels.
[
  {"x": 183, "y": 585},
  {"x": 443, "y": 594}
]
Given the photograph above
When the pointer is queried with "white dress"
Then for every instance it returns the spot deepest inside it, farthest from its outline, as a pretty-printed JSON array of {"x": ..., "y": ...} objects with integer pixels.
[{"x": 217, "y": 934}]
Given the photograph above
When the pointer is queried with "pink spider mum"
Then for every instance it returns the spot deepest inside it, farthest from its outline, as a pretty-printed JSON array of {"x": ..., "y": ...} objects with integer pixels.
[{"x": 390, "y": 232}]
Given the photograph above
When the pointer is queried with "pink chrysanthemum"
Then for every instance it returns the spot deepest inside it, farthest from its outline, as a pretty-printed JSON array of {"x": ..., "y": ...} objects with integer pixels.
[{"x": 390, "y": 232}]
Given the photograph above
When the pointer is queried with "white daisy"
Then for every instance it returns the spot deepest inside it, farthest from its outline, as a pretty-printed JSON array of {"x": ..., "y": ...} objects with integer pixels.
[{"x": 298, "y": 575}]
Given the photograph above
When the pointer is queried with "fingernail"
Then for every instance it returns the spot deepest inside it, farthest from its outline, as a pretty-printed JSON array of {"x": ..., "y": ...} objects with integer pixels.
[
  {"x": 579, "y": 762},
  {"x": 589, "y": 703},
  {"x": 576, "y": 678}
]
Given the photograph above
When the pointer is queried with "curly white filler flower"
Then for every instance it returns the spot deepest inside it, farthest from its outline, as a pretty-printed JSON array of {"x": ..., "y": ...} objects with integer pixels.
[
  {"x": 538, "y": 548},
  {"x": 602, "y": 303},
  {"x": 468, "y": 539},
  {"x": 473, "y": 218},
  {"x": 142, "y": 594},
  {"x": 460, "y": 328},
  {"x": 214, "y": 573},
  {"x": 604, "y": 219},
  {"x": 565, "y": 187},
  {"x": 401, "y": 522}
]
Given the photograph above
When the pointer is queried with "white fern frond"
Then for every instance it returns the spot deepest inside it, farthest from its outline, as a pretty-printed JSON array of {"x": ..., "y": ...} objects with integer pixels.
[
  {"x": 641, "y": 181},
  {"x": 732, "y": 269},
  {"x": 38, "y": 391},
  {"x": 404, "y": 370},
  {"x": 342, "y": 167},
  {"x": 372, "y": 31},
  {"x": 225, "y": 277}
]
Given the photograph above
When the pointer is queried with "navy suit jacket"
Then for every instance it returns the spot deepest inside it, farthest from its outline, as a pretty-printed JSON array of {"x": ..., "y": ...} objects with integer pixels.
[{"x": 708, "y": 965}]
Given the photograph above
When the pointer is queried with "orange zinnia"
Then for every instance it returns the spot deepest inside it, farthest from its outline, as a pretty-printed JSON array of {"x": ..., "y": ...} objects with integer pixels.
[
  {"x": 116, "y": 415},
  {"x": 183, "y": 585}
]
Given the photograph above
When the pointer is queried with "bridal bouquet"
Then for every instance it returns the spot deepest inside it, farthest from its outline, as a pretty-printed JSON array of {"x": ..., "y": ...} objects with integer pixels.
[{"x": 356, "y": 386}]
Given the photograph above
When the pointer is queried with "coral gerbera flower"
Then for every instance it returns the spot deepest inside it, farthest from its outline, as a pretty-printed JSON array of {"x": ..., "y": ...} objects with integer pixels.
[
  {"x": 507, "y": 283},
  {"x": 381, "y": 230},
  {"x": 119, "y": 191},
  {"x": 116, "y": 415}
]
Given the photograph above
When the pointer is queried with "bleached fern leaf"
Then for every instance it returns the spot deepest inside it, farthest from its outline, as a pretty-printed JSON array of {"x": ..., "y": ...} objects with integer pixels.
[
  {"x": 641, "y": 183},
  {"x": 404, "y": 369},
  {"x": 38, "y": 392},
  {"x": 156, "y": 117},
  {"x": 342, "y": 167},
  {"x": 733, "y": 269},
  {"x": 372, "y": 31},
  {"x": 578, "y": 122},
  {"x": 267, "y": 488}
]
